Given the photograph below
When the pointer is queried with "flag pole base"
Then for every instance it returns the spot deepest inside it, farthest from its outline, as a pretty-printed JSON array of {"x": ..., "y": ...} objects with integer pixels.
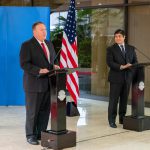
[{"x": 72, "y": 109}]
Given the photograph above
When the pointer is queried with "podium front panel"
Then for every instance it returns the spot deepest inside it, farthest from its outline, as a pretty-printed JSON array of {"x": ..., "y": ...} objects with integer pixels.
[{"x": 58, "y": 103}]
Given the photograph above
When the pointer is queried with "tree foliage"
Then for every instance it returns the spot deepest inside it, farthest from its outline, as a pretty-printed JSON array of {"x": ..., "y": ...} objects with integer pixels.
[{"x": 83, "y": 36}]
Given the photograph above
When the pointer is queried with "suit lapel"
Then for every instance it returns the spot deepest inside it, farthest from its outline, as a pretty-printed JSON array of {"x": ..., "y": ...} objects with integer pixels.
[
  {"x": 48, "y": 49},
  {"x": 127, "y": 53},
  {"x": 39, "y": 48},
  {"x": 51, "y": 51},
  {"x": 119, "y": 50},
  {"x": 126, "y": 48}
]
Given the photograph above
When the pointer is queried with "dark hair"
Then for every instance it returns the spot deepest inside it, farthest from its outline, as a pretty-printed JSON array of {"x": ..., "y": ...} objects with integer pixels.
[
  {"x": 35, "y": 24},
  {"x": 120, "y": 31}
]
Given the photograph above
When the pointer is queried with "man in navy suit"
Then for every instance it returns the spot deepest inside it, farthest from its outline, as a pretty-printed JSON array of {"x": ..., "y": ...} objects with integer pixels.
[
  {"x": 37, "y": 57},
  {"x": 120, "y": 57}
]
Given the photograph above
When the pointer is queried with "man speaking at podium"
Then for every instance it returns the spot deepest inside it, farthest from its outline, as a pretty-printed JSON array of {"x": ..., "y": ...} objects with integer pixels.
[
  {"x": 37, "y": 56},
  {"x": 120, "y": 57}
]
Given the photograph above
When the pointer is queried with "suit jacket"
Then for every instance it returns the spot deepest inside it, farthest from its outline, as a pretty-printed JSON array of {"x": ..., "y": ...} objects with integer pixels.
[
  {"x": 115, "y": 59},
  {"x": 32, "y": 59}
]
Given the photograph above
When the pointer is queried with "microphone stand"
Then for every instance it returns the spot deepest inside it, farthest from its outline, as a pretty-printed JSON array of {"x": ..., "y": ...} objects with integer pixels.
[{"x": 57, "y": 55}]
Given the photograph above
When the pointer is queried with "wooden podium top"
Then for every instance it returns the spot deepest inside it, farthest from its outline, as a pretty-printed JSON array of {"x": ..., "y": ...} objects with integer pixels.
[
  {"x": 136, "y": 65},
  {"x": 57, "y": 71}
]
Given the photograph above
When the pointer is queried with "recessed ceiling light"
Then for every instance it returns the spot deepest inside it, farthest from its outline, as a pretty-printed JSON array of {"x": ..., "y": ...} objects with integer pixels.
[
  {"x": 99, "y": 3},
  {"x": 78, "y": 3}
]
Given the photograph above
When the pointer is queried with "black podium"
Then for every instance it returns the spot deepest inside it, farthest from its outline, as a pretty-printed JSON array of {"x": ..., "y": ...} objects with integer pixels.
[
  {"x": 137, "y": 121},
  {"x": 58, "y": 137}
]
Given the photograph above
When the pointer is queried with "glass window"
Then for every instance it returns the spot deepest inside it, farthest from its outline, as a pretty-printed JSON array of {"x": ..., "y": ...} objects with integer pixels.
[
  {"x": 95, "y": 29},
  {"x": 55, "y": 20},
  {"x": 103, "y": 24}
]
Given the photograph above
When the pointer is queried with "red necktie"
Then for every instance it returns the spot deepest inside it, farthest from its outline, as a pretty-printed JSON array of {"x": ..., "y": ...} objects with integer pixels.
[{"x": 44, "y": 49}]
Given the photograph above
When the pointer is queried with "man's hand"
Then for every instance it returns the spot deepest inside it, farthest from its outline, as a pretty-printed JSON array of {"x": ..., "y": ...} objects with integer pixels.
[
  {"x": 43, "y": 71},
  {"x": 56, "y": 67},
  {"x": 128, "y": 65}
]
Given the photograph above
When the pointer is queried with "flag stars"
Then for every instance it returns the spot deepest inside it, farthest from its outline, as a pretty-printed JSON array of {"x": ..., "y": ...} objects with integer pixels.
[{"x": 70, "y": 28}]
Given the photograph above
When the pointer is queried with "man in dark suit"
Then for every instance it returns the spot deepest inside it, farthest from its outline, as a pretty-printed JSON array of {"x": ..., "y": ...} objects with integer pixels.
[
  {"x": 120, "y": 58},
  {"x": 37, "y": 57}
]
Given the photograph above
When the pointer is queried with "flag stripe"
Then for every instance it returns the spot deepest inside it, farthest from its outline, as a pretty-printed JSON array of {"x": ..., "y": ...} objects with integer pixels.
[
  {"x": 72, "y": 92},
  {"x": 70, "y": 52},
  {"x": 73, "y": 77},
  {"x": 72, "y": 49},
  {"x": 71, "y": 83}
]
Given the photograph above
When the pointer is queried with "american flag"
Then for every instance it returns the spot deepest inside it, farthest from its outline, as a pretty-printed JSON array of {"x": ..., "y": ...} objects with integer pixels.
[{"x": 69, "y": 52}]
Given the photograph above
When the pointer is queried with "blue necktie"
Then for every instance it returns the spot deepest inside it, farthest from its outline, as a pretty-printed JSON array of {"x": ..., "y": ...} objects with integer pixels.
[{"x": 123, "y": 50}]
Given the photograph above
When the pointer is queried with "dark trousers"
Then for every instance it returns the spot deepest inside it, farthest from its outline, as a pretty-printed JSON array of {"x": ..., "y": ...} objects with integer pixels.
[
  {"x": 118, "y": 93},
  {"x": 37, "y": 113}
]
